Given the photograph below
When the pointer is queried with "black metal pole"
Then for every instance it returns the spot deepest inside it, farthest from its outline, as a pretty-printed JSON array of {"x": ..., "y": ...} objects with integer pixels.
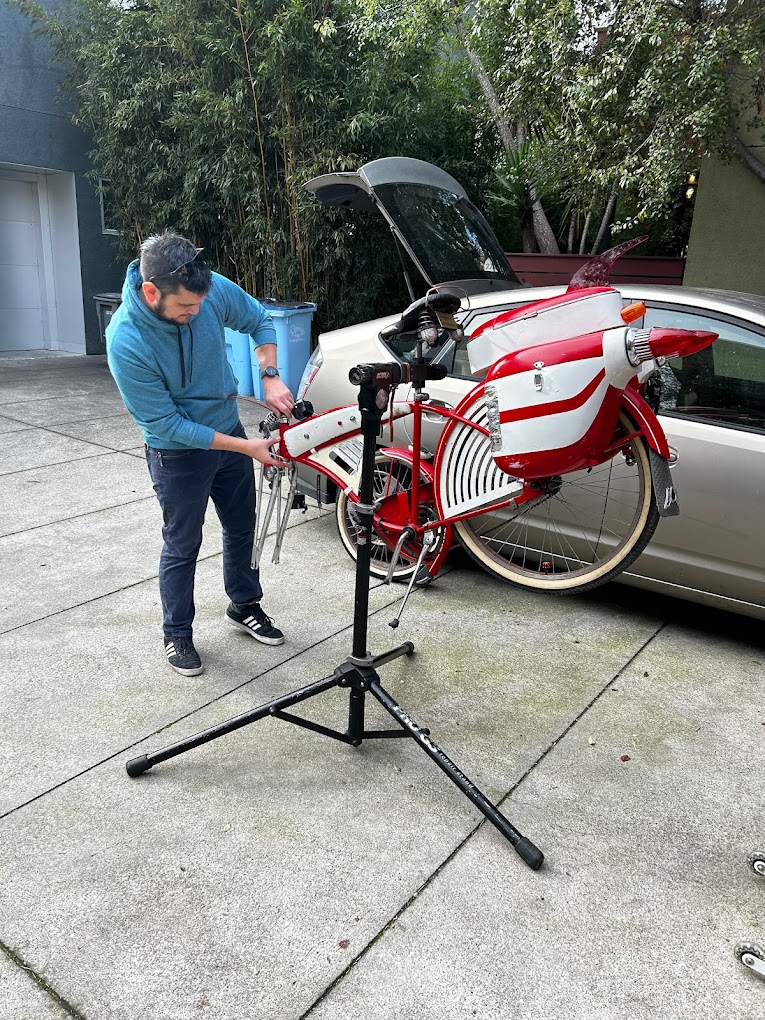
[
  {"x": 371, "y": 416},
  {"x": 523, "y": 846},
  {"x": 138, "y": 765}
]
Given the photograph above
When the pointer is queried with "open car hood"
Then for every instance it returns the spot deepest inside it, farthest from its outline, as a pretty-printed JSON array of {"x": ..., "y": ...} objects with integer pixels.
[{"x": 446, "y": 236}]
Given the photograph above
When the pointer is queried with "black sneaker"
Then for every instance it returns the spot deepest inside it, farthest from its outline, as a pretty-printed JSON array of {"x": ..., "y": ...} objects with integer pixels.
[
  {"x": 253, "y": 621},
  {"x": 182, "y": 655}
]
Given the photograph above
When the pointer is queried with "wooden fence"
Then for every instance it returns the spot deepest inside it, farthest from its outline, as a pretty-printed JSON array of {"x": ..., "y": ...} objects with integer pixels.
[{"x": 553, "y": 270}]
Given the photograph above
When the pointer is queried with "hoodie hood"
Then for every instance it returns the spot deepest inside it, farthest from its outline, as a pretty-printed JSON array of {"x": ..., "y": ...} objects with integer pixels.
[{"x": 131, "y": 296}]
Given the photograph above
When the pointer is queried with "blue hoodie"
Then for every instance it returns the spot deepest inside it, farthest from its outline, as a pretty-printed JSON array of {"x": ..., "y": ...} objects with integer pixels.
[{"x": 176, "y": 380}]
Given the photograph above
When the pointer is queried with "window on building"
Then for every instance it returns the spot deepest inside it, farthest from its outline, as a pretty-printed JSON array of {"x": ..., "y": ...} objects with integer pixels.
[{"x": 108, "y": 221}]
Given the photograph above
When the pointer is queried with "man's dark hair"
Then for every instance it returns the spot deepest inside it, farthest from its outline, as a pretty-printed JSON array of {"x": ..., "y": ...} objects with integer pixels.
[{"x": 170, "y": 261}]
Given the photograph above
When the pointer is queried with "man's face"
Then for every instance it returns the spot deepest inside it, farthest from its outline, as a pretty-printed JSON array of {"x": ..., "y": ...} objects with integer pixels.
[{"x": 177, "y": 308}]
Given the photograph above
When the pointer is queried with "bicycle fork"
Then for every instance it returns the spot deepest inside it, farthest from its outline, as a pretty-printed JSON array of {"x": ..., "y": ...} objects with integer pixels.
[{"x": 276, "y": 501}]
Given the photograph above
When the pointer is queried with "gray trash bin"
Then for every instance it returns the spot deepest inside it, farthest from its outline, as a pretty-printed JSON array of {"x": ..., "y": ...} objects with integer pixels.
[{"x": 106, "y": 306}]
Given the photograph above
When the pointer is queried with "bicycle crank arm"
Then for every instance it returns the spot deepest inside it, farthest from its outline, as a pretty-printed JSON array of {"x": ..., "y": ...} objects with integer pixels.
[
  {"x": 429, "y": 539},
  {"x": 406, "y": 535}
]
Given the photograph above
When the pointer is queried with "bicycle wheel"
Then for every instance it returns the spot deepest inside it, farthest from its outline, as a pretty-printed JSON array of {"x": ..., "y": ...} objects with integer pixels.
[
  {"x": 585, "y": 528},
  {"x": 391, "y": 483}
]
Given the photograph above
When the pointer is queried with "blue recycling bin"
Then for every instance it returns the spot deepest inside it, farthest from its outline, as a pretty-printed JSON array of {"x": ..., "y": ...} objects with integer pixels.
[
  {"x": 238, "y": 347},
  {"x": 292, "y": 321}
]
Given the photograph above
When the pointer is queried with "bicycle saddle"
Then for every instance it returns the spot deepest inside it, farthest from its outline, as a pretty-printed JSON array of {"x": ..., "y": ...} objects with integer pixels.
[{"x": 443, "y": 300}]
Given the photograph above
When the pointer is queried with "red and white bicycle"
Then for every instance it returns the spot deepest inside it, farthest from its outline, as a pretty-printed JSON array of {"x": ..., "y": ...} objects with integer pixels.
[{"x": 552, "y": 472}]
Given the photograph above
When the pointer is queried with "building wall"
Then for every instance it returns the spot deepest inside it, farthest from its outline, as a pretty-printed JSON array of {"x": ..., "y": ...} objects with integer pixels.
[
  {"x": 726, "y": 247},
  {"x": 36, "y": 135},
  {"x": 727, "y": 242}
]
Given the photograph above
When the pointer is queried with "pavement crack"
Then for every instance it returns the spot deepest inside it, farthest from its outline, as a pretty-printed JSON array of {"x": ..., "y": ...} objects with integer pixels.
[
  {"x": 580, "y": 715},
  {"x": 41, "y": 983},
  {"x": 75, "y": 517}
]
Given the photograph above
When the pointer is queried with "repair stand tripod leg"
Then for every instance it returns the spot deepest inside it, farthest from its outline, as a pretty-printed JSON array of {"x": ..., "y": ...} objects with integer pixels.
[{"x": 358, "y": 673}]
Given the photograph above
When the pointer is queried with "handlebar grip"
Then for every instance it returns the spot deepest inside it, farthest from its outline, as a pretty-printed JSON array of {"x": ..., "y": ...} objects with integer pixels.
[{"x": 303, "y": 409}]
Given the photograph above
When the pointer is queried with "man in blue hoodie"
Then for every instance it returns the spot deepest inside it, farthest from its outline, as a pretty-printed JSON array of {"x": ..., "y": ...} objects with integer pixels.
[{"x": 166, "y": 350}]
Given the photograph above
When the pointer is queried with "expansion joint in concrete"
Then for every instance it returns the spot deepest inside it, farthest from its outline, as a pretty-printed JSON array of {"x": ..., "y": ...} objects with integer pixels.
[{"x": 41, "y": 983}]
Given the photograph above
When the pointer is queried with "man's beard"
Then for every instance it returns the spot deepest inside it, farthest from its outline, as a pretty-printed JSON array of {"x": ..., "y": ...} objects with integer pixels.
[{"x": 159, "y": 311}]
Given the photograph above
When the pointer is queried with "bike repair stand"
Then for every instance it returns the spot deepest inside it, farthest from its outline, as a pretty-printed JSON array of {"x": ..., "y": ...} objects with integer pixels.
[{"x": 358, "y": 672}]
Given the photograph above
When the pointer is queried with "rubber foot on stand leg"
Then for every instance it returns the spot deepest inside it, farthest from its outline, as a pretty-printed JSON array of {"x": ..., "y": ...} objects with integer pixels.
[
  {"x": 529, "y": 853},
  {"x": 137, "y": 765}
]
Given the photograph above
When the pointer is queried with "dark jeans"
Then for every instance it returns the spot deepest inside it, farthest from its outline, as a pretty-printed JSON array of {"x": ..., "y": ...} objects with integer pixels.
[{"x": 184, "y": 481}]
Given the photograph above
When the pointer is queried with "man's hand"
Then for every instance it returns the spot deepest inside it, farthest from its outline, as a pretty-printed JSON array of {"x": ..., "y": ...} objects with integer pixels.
[
  {"x": 277, "y": 397},
  {"x": 260, "y": 450}
]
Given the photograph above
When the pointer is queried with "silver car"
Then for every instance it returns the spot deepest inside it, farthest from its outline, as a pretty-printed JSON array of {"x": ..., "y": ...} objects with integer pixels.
[{"x": 712, "y": 405}]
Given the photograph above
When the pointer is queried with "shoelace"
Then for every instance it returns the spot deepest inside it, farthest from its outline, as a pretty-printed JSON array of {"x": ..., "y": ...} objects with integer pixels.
[{"x": 182, "y": 645}]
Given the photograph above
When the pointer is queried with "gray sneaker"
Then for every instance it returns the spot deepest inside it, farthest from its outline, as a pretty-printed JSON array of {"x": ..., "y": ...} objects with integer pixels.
[
  {"x": 182, "y": 655},
  {"x": 253, "y": 621}
]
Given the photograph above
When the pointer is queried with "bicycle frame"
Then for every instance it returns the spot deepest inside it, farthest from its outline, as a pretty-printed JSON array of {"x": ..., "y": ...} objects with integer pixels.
[{"x": 329, "y": 444}]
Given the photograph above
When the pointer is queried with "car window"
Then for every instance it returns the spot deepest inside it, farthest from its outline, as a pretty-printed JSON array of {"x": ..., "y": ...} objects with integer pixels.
[
  {"x": 724, "y": 383},
  {"x": 450, "y": 238}
]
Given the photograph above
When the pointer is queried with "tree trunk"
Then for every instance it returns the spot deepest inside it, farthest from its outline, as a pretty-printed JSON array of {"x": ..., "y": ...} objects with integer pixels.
[
  {"x": 505, "y": 133},
  {"x": 529, "y": 238},
  {"x": 544, "y": 234},
  {"x": 585, "y": 231},
  {"x": 605, "y": 224},
  {"x": 572, "y": 231},
  {"x": 548, "y": 244}
]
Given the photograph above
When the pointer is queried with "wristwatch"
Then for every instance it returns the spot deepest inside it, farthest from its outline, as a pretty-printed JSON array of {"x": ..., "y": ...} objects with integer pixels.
[{"x": 270, "y": 373}]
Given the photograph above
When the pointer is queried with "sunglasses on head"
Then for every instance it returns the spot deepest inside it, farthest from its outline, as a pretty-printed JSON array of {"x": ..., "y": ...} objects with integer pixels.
[{"x": 182, "y": 271}]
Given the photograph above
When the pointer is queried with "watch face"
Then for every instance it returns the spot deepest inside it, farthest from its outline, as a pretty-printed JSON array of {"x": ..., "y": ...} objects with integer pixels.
[{"x": 270, "y": 372}]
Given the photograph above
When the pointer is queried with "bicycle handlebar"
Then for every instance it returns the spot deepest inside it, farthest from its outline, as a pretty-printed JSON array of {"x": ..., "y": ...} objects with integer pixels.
[{"x": 301, "y": 410}]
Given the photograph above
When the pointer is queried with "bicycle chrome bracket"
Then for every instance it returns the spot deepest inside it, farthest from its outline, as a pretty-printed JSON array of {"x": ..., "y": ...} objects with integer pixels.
[{"x": 276, "y": 501}]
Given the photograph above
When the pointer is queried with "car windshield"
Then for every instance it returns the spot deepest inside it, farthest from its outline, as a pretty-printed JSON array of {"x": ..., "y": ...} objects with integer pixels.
[{"x": 449, "y": 237}]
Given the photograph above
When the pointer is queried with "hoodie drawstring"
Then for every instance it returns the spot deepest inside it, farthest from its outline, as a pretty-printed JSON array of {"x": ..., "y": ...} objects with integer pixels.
[{"x": 191, "y": 356}]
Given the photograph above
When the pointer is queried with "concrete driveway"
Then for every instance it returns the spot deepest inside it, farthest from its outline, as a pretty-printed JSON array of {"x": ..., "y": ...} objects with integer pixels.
[{"x": 277, "y": 874}]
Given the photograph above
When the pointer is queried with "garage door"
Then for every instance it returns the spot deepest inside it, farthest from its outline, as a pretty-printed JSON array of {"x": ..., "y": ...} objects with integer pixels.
[{"x": 22, "y": 321}]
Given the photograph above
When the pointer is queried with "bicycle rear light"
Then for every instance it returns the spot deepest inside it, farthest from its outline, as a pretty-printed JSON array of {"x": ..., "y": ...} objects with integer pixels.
[{"x": 648, "y": 344}]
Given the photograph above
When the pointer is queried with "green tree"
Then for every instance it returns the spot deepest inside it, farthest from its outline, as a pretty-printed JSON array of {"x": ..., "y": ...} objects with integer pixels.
[
  {"x": 665, "y": 83},
  {"x": 209, "y": 118},
  {"x": 598, "y": 102}
]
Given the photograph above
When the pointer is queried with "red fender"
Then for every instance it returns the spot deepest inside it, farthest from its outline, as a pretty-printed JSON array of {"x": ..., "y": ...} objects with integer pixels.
[
  {"x": 645, "y": 419},
  {"x": 407, "y": 455}
]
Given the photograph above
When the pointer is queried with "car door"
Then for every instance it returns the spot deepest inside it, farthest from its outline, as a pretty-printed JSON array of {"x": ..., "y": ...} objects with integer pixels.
[{"x": 713, "y": 412}]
